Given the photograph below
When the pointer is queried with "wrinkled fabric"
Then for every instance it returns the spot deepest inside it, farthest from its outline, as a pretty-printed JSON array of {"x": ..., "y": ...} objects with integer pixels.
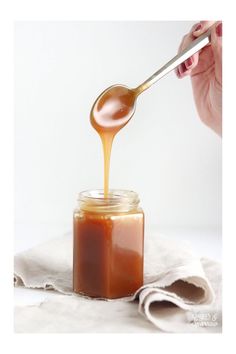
[{"x": 181, "y": 293}]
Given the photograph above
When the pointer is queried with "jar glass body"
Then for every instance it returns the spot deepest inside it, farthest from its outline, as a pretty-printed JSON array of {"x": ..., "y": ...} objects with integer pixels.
[{"x": 108, "y": 244}]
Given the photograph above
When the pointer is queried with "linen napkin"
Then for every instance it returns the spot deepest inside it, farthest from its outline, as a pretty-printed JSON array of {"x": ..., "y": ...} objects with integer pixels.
[{"x": 181, "y": 293}]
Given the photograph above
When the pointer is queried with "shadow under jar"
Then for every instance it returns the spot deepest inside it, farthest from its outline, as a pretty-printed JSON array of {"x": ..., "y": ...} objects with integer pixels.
[{"x": 108, "y": 244}]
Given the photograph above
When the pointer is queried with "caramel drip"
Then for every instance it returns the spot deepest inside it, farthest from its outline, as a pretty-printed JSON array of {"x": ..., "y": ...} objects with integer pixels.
[{"x": 111, "y": 112}]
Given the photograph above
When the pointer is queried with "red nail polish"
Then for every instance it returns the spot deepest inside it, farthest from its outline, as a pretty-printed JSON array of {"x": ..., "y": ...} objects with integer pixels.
[
  {"x": 182, "y": 69},
  {"x": 189, "y": 62},
  {"x": 219, "y": 30},
  {"x": 199, "y": 26}
]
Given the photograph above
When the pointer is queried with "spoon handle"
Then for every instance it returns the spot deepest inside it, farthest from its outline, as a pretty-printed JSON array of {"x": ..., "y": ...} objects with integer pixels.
[{"x": 194, "y": 47}]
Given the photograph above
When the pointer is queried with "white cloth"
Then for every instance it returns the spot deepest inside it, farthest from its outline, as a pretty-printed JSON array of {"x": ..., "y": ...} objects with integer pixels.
[{"x": 180, "y": 293}]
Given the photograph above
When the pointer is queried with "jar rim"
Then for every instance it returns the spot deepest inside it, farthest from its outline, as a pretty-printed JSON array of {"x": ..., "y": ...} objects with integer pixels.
[{"x": 117, "y": 200}]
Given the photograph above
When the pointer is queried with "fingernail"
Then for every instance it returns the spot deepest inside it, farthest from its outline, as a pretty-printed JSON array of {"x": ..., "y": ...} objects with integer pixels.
[
  {"x": 219, "y": 30},
  {"x": 189, "y": 62},
  {"x": 182, "y": 69},
  {"x": 198, "y": 28}
]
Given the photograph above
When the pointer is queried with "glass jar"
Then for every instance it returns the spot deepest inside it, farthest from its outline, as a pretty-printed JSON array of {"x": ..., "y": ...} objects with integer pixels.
[{"x": 108, "y": 244}]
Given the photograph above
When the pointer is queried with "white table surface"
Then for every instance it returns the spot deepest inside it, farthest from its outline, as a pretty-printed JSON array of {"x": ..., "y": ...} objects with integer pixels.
[{"x": 204, "y": 242}]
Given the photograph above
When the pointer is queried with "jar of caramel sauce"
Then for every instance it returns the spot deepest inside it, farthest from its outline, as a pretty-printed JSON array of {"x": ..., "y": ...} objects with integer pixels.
[{"x": 108, "y": 244}]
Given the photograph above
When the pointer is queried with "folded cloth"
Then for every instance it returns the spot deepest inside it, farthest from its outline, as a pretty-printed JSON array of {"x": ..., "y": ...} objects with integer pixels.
[{"x": 181, "y": 293}]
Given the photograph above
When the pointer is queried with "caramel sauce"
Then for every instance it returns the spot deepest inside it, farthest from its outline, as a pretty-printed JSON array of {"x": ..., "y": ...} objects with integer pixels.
[
  {"x": 110, "y": 113},
  {"x": 108, "y": 254},
  {"x": 108, "y": 243}
]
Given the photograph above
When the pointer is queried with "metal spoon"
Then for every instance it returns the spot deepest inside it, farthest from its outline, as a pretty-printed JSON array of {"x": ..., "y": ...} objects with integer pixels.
[{"x": 116, "y": 105}]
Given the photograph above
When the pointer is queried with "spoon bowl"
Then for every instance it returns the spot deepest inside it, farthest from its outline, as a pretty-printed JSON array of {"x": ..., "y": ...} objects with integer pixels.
[{"x": 113, "y": 108}]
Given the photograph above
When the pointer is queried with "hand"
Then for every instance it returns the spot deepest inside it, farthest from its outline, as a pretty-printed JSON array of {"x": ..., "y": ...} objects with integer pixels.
[{"x": 205, "y": 70}]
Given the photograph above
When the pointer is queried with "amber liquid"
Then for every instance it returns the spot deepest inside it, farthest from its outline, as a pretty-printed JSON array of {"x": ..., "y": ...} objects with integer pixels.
[
  {"x": 110, "y": 113},
  {"x": 108, "y": 254},
  {"x": 107, "y": 140},
  {"x": 108, "y": 247}
]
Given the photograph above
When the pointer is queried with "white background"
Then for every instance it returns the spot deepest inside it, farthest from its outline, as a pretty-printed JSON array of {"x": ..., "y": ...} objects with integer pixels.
[
  {"x": 165, "y": 153},
  {"x": 150, "y": 9}
]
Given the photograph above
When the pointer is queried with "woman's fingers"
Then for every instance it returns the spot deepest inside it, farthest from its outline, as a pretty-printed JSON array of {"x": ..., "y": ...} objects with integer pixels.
[
  {"x": 197, "y": 30},
  {"x": 202, "y": 27},
  {"x": 186, "y": 67},
  {"x": 216, "y": 43},
  {"x": 189, "y": 64}
]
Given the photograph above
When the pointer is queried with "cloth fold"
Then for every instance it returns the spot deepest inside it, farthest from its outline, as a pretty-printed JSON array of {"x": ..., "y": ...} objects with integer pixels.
[{"x": 181, "y": 293}]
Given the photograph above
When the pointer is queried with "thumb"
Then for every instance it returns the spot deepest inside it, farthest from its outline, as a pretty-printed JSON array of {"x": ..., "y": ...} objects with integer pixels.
[{"x": 216, "y": 44}]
